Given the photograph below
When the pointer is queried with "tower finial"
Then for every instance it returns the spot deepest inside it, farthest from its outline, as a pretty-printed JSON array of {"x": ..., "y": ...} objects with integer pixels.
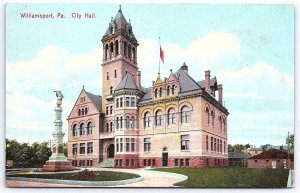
[
  {"x": 120, "y": 8},
  {"x": 83, "y": 87}
]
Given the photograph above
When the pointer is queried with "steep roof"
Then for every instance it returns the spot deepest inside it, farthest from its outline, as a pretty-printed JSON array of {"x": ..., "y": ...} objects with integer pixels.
[
  {"x": 186, "y": 83},
  {"x": 120, "y": 23},
  {"x": 212, "y": 82},
  {"x": 127, "y": 83},
  {"x": 272, "y": 154},
  {"x": 239, "y": 154},
  {"x": 95, "y": 99}
]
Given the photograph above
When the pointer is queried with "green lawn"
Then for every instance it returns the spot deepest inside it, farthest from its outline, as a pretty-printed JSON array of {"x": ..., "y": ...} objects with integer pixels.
[
  {"x": 100, "y": 176},
  {"x": 231, "y": 177}
]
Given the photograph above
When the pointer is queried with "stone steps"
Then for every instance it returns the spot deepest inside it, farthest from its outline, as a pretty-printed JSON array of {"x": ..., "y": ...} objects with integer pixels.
[{"x": 108, "y": 163}]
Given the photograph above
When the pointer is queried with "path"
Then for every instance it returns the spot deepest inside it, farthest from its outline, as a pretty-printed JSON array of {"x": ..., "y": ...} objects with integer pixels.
[{"x": 151, "y": 179}]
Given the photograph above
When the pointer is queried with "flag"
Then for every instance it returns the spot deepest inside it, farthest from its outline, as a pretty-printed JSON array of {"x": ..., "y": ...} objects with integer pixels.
[{"x": 162, "y": 57}]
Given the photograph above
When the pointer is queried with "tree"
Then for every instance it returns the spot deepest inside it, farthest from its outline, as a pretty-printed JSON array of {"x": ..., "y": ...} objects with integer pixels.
[{"x": 290, "y": 142}]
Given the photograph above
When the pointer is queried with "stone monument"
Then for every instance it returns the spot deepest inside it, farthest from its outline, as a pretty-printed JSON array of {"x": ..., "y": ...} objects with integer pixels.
[{"x": 58, "y": 161}]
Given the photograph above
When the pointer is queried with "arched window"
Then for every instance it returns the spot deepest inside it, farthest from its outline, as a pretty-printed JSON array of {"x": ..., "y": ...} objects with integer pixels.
[
  {"x": 212, "y": 114},
  {"x": 74, "y": 130},
  {"x": 133, "y": 54},
  {"x": 132, "y": 122},
  {"x": 221, "y": 123},
  {"x": 117, "y": 47},
  {"x": 207, "y": 116},
  {"x": 111, "y": 90},
  {"x": 158, "y": 118},
  {"x": 160, "y": 92},
  {"x": 225, "y": 125},
  {"x": 107, "y": 127},
  {"x": 168, "y": 90},
  {"x": 125, "y": 49},
  {"x": 171, "y": 116},
  {"x": 147, "y": 120},
  {"x": 129, "y": 52},
  {"x": 118, "y": 124},
  {"x": 121, "y": 122},
  {"x": 106, "y": 51},
  {"x": 79, "y": 112},
  {"x": 81, "y": 129},
  {"x": 89, "y": 128},
  {"x": 173, "y": 89},
  {"x": 85, "y": 110},
  {"x": 127, "y": 122},
  {"x": 111, "y": 126},
  {"x": 185, "y": 114},
  {"x": 82, "y": 111},
  {"x": 111, "y": 49},
  {"x": 156, "y": 93}
]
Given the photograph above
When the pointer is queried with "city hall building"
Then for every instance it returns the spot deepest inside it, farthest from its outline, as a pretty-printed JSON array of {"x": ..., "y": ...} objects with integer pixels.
[{"x": 177, "y": 122}]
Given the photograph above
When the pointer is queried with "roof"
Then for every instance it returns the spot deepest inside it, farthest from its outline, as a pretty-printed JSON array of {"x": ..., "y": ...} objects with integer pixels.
[
  {"x": 120, "y": 23},
  {"x": 95, "y": 99},
  {"x": 212, "y": 82},
  {"x": 238, "y": 154},
  {"x": 272, "y": 154},
  {"x": 127, "y": 83}
]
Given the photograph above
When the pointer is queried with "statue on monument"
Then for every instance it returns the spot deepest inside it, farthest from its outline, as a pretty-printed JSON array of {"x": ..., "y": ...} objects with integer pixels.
[{"x": 59, "y": 97}]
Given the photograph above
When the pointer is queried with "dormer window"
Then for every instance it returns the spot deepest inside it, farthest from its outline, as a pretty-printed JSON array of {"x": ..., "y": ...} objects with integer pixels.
[
  {"x": 168, "y": 90},
  {"x": 160, "y": 92},
  {"x": 156, "y": 93},
  {"x": 173, "y": 89}
]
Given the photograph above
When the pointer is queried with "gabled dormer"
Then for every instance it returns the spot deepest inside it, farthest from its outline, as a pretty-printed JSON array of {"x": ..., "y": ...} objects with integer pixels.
[
  {"x": 86, "y": 104},
  {"x": 158, "y": 88},
  {"x": 172, "y": 85}
]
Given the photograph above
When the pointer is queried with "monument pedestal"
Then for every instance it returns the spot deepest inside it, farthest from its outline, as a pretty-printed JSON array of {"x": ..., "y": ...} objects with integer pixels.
[{"x": 57, "y": 166}]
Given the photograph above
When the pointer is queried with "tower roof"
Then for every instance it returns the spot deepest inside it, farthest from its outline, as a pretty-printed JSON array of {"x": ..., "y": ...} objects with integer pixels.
[
  {"x": 119, "y": 23},
  {"x": 127, "y": 83}
]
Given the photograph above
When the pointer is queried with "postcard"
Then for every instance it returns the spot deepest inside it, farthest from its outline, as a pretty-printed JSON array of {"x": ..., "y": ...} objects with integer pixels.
[{"x": 150, "y": 95}]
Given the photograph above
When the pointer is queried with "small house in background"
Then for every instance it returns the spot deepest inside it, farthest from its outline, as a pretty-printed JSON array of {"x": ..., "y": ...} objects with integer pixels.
[
  {"x": 273, "y": 158},
  {"x": 238, "y": 159},
  {"x": 253, "y": 151}
]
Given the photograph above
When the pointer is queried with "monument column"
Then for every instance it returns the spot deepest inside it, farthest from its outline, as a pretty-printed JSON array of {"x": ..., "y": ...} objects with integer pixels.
[{"x": 58, "y": 161}]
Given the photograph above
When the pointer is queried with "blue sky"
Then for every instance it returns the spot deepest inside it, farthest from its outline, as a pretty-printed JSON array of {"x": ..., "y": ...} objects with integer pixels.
[{"x": 249, "y": 48}]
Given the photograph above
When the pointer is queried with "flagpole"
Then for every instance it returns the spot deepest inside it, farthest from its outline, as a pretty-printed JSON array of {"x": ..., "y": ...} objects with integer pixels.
[{"x": 159, "y": 57}]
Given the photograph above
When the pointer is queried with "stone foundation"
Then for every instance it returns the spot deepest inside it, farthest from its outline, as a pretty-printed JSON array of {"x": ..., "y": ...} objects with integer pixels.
[
  {"x": 57, "y": 166},
  {"x": 126, "y": 161}
]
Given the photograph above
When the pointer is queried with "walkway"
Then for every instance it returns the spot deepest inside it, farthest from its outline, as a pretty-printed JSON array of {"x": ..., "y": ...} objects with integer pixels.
[{"x": 151, "y": 179}]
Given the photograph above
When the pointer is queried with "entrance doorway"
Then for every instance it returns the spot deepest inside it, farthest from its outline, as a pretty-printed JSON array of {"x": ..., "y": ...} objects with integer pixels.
[
  {"x": 111, "y": 151},
  {"x": 165, "y": 159}
]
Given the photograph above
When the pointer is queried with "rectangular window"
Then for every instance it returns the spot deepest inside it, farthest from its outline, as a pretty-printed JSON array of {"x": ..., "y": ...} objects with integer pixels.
[
  {"x": 121, "y": 145},
  {"x": 185, "y": 142},
  {"x": 111, "y": 109},
  {"x": 91, "y": 162},
  {"x": 132, "y": 145},
  {"x": 211, "y": 144},
  {"x": 121, "y": 102},
  {"x": 117, "y": 162},
  {"x": 107, "y": 112},
  {"x": 221, "y": 150},
  {"x": 117, "y": 144},
  {"x": 127, "y": 162},
  {"x": 207, "y": 143},
  {"x": 153, "y": 162},
  {"x": 224, "y": 147},
  {"x": 147, "y": 145},
  {"x": 132, "y": 163},
  {"x": 90, "y": 147},
  {"x": 115, "y": 73},
  {"x": 132, "y": 102},
  {"x": 176, "y": 162},
  {"x": 127, "y": 144},
  {"x": 107, "y": 76},
  {"x": 82, "y": 148},
  {"x": 83, "y": 162},
  {"x": 145, "y": 162},
  {"x": 215, "y": 144},
  {"x": 74, "y": 149},
  {"x": 218, "y": 145},
  {"x": 187, "y": 162},
  {"x": 121, "y": 163},
  {"x": 149, "y": 162},
  {"x": 127, "y": 101},
  {"x": 181, "y": 162},
  {"x": 117, "y": 103}
]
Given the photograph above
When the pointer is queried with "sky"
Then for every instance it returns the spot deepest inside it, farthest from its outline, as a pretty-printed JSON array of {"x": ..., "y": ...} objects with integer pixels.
[{"x": 249, "y": 48}]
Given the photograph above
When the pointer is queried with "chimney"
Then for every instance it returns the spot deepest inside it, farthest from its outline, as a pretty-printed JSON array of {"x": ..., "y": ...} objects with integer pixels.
[
  {"x": 220, "y": 93},
  {"x": 138, "y": 79},
  {"x": 207, "y": 81}
]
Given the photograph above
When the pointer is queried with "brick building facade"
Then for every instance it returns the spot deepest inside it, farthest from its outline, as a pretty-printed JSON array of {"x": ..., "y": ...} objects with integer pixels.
[{"x": 176, "y": 122}]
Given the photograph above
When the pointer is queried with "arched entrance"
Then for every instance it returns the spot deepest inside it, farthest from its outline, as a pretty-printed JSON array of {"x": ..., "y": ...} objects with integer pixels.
[{"x": 110, "y": 151}]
